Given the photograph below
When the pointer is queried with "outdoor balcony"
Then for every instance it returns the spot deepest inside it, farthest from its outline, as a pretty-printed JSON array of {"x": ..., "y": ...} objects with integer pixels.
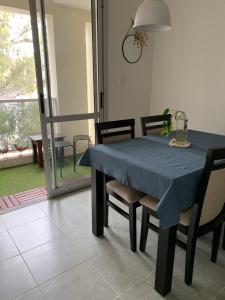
[{"x": 20, "y": 120}]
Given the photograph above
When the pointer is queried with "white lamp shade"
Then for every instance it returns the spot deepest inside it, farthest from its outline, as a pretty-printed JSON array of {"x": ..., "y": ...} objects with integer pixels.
[{"x": 152, "y": 15}]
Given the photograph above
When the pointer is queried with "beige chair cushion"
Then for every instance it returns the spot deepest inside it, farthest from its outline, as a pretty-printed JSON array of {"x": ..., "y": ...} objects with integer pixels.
[
  {"x": 156, "y": 131},
  {"x": 116, "y": 138},
  {"x": 215, "y": 197},
  {"x": 149, "y": 202},
  {"x": 213, "y": 203},
  {"x": 127, "y": 193}
]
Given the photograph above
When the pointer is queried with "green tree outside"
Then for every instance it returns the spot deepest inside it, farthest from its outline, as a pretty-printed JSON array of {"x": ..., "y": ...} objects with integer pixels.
[
  {"x": 17, "y": 79},
  {"x": 7, "y": 124},
  {"x": 28, "y": 122}
]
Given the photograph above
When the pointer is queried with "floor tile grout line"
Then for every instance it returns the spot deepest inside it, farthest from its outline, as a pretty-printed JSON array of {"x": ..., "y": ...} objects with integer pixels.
[
  {"x": 20, "y": 253},
  {"x": 48, "y": 242},
  {"x": 14, "y": 227},
  {"x": 26, "y": 223},
  {"x": 58, "y": 228},
  {"x": 24, "y": 262},
  {"x": 88, "y": 259},
  {"x": 13, "y": 241},
  {"x": 11, "y": 257},
  {"x": 64, "y": 235},
  {"x": 29, "y": 270},
  {"x": 42, "y": 293},
  {"x": 118, "y": 293},
  {"x": 106, "y": 281},
  {"x": 2, "y": 224},
  {"x": 223, "y": 289},
  {"x": 38, "y": 285},
  {"x": 60, "y": 274},
  {"x": 44, "y": 212},
  {"x": 136, "y": 283},
  {"x": 33, "y": 289},
  {"x": 40, "y": 245}
]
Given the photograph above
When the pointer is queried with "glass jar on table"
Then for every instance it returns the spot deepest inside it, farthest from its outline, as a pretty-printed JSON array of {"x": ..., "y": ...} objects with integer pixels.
[{"x": 181, "y": 128}]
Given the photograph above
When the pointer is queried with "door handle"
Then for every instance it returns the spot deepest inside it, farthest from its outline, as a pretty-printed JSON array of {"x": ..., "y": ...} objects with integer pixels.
[
  {"x": 42, "y": 103},
  {"x": 101, "y": 100}
]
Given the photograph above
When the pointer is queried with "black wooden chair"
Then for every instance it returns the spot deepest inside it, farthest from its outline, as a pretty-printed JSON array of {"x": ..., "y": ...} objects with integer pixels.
[
  {"x": 224, "y": 239},
  {"x": 152, "y": 125},
  {"x": 110, "y": 132},
  {"x": 206, "y": 215}
]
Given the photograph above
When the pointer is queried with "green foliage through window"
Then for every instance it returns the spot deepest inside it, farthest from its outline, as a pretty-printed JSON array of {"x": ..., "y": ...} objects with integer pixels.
[
  {"x": 17, "y": 70},
  {"x": 18, "y": 119}
]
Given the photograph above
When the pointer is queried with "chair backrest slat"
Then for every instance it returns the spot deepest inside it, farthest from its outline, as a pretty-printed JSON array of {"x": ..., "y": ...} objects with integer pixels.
[
  {"x": 211, "y": 198},
  {"x": 107, "y": 131},
  {"x": 215, "y": 196},
  {"x": 157, "y": 120}
]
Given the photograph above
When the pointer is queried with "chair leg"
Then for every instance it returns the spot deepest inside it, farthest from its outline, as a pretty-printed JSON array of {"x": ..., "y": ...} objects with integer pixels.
[
  {"x": 190, "y": 259},
  {"x": 74, "y": 159},
  {"x": 106, "y": 210},
  {"x": 61, "y": 163},
  {"x": 133, "y": 227},
  {"x": 144, "y": 229},
  {"x": 216, "y": 243},
  {"x": 224, "y": 239}
]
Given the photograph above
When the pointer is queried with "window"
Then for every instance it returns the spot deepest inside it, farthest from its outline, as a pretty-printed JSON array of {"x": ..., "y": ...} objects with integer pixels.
[{"x": 18, "y": 89}]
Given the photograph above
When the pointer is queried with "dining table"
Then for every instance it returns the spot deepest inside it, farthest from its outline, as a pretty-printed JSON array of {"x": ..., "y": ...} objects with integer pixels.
[{"x": 170, "y": 174}]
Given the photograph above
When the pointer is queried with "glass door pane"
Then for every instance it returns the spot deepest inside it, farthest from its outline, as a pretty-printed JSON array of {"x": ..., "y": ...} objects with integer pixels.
[
  {"x": 68, "y": 35},
  {"x": 71, "y": 140},
  {"x": 67, "y": 68}
]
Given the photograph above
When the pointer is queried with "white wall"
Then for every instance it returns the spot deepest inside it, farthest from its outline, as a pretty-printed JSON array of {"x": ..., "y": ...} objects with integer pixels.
[
  {"x": 71, "y": 67},
  {"x": 128, "y": 84},
  {"x": 189, "y": 64},
  {"x": 70, "y": 48}
]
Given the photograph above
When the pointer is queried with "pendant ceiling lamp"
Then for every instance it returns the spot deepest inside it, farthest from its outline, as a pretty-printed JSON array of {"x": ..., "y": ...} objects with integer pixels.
[{"x": 152, "y": 16}]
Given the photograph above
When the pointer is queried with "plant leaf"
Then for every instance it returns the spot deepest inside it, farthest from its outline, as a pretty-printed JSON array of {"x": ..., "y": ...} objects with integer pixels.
[{"x": 166, "y": 111}]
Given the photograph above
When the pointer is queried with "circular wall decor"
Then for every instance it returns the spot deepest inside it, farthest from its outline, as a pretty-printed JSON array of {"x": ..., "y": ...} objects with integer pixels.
[{"x": 131, "y": 51}]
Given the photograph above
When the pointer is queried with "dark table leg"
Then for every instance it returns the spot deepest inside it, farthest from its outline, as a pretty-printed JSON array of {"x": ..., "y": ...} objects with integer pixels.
[
  {"x": 165, "y": 260},
  {"x": 40, "y": 154},
  {"x": 35, "y": 158},
  {"x": 98, "y": 194}
]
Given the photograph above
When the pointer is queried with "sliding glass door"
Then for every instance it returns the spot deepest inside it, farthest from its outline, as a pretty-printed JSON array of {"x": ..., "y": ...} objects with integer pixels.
[{"x": 66, "y": 36}]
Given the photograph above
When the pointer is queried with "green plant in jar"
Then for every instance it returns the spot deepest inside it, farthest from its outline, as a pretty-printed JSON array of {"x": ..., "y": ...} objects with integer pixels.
[
  {"x": 181, "y": 127},
  {"x": 167, "y": 126}
]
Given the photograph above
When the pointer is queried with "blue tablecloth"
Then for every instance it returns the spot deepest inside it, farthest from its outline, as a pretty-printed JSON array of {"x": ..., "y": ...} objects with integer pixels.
[{"x": 150, "y": 165}]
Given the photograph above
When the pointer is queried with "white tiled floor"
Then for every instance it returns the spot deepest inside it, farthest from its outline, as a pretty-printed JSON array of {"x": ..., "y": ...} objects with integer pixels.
[
  {"x": 22, "y": 216},
  {"x": 7, "y": 247},
  {"x": 2, "y": 227},
  {"x": 47, "y": 251},
  {"x": 33, "y": 234}
]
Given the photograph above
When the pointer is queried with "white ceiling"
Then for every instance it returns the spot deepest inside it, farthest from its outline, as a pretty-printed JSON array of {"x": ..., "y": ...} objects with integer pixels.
[{"x": 84, "y": 4}]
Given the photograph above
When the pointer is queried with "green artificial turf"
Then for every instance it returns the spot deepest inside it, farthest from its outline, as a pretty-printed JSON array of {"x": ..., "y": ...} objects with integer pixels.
[{"x": 19, "y": 179}]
